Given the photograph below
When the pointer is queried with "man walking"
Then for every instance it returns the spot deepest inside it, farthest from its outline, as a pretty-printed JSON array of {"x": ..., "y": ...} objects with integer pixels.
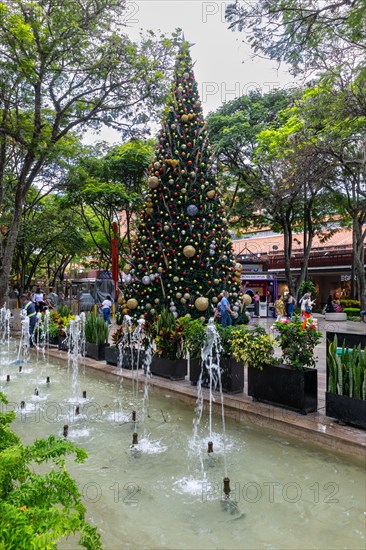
[
  {"x": 30, "y": 309},
  {"x": 226, "y": 310}
]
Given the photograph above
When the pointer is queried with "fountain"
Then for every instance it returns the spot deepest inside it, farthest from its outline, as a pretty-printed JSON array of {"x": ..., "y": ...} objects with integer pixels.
[{"x": 304, "y": 493}]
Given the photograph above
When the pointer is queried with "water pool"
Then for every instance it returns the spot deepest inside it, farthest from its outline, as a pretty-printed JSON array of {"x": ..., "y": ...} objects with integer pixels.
[{"x": 167, "y": 492}]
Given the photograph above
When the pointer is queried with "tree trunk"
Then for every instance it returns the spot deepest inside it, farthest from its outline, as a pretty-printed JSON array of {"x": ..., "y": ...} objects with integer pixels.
[
  {"x": 8, "y": 251},
  {"x": 359, "y": 258}
]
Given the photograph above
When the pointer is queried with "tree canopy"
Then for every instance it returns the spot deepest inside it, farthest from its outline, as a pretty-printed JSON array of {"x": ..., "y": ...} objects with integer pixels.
[
  {"x": 66, "y": 66},
  {"x": 307, "y": 34}
]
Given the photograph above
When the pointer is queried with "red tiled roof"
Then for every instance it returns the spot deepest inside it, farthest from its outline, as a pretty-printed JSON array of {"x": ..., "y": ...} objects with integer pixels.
[{"x": 265, "y": 244}]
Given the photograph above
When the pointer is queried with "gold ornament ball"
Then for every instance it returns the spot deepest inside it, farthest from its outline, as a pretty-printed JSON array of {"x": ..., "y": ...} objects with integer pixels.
[
  {"x": 183, "y": 301},
  {"x": 247, "y": 299},
  {"x": 153, "y": 182},
  {"x": 211, "y": 194},
  {"x": 215, "y": 300},
  {"x": 189, "y": 251},
  {"x": 187, "y": 296},
  {"x": 132, "y": 303},
  {"x": 156, "y": 300},
  {"x": 120, "y": 300},
  {"x": 176, "y": 279},
  {"x": 125, "y": 311},
  {"x": 201, "y": 303},
  {"x": 178, "y": 295}
]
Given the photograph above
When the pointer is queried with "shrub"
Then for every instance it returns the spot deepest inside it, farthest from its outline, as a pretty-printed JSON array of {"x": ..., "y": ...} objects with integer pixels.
[
  {"x": 352, "y": 311},
  {"x": 96, "y": 329},
  {"x": 297, "y": 342},
  {"x": 39, "y": 506},
  {"x": 347, "y": 372},
  {"x": 347, "y": 302},
  {"x": 254, "y": 348}
]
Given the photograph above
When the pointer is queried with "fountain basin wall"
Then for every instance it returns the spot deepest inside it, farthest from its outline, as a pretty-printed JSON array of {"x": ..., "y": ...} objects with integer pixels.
[{"x": 285, "y": 386}]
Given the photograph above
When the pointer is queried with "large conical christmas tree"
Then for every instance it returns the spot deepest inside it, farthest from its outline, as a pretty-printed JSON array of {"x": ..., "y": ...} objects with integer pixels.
[{"x": 182, "y": 257}]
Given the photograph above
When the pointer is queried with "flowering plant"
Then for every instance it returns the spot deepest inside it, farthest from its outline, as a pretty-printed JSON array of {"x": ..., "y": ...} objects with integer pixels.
[{"x": 297, "y": 342}]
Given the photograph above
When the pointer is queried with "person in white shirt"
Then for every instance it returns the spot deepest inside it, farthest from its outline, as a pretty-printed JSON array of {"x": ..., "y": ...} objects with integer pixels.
[
  {"x": 38, "y": 300},
  {"x": 106, "y": 309}
]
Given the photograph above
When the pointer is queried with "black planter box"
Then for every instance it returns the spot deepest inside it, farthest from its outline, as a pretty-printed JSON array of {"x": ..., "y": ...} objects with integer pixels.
[
  {"x": 62, "y": 345},
  {"x": 111, "y": 355},
  {"x": 175, "y": 369},
  {"x": 232, "y": 375},
  {"x": 346, "y": 409},
  {"x": 285, "y": 386},
  {"x": 53, "y": 340},
  {"x": 137, "y": 361},
  {"x": 349, "y": 410},
  {"x": 96, "y": 351},
  {"x": 194, "y": 371}
]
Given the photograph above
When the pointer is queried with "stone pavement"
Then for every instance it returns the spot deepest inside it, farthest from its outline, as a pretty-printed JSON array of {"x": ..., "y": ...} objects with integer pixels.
[{"x": 314, "y": 428}]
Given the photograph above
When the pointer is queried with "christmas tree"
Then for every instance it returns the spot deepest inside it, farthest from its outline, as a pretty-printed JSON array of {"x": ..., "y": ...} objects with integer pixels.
[{"x": 182, "y": 258}]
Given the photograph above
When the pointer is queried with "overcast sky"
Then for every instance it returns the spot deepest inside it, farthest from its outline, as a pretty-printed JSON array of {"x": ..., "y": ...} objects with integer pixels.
[{"x": 224, "y": 65}]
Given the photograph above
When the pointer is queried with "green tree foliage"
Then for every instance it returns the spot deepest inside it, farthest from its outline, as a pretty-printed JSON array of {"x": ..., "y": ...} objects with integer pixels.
[
  {"x": 106, "y": 187},
  {"x": 308, "y": 34},
  {"x": 331, "y": 119},
  {"x": 50, "y": 237},
  {"x": 65, "y": 66},
  {"x": 39, "y": 509},
  {"x": 271, "y": 181},
  {"x": 182, "y": 252}
]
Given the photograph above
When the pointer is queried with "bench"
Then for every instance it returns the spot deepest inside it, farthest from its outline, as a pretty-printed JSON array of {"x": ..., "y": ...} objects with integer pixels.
[{"x": 335, "y": 316}]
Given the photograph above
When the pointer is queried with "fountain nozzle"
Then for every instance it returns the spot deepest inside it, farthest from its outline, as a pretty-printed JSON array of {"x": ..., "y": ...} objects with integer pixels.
[
  {"x": 66, "y": 430},
  {"x": 210, "y": 447},
  {"x": 77, "y": 410},
  {"x": 22, "y": 404},
  {"x": 8, "y": 377},
  {"x": 36, "y": 392},
  {"x": 47, "y": 380},
  {"x": 227, "y": 489},
  {"x": 134, "y": 438},
  {"x": 133, "y": 416},
  {"x": 20, "y": 368},
  {"x": 84, "y": 394}
]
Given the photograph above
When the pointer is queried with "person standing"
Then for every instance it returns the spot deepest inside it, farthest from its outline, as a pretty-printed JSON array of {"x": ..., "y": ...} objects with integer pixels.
[
  {"x": 38, "y": 300},
  {"x": 291, "y": 302},
  {"x": 279, "y": 308},
  {"x": 226, "y": 310},
  {"x": 306, "y": 307},
  {"x": 106, "y": 309},
  {"x": 256, "y": 299},
  {"x": 30, "y": 309}
]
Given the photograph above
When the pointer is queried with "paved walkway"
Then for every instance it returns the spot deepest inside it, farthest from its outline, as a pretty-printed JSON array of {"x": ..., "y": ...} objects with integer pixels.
[{"x": 314, "y": 428}]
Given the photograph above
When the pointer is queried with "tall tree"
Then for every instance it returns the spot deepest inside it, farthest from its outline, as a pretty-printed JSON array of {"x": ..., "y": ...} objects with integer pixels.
[
  {"x": 50, "y": 236},
  {"x": 331, "y": 117},
  {"x": 182, "y": 257},
  {"x": 271, "y": 181},
  {"x": 110, "y": 186},
  {"x": 308, "y": 34},
  {"x": 65, "y": 66}
]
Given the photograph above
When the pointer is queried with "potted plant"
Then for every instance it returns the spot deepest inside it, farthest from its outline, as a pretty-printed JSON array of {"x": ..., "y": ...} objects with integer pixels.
[
  {"x": 168, "y": 361},
  {"x": 194, "y": 336},
  {"x": 345, "y": 398},
  {"x": 291, "y": 382},
  {"x": 62, "y": 317},
  {"x": 96, "y": 336},
  {"x": 126, "y": 351}
]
